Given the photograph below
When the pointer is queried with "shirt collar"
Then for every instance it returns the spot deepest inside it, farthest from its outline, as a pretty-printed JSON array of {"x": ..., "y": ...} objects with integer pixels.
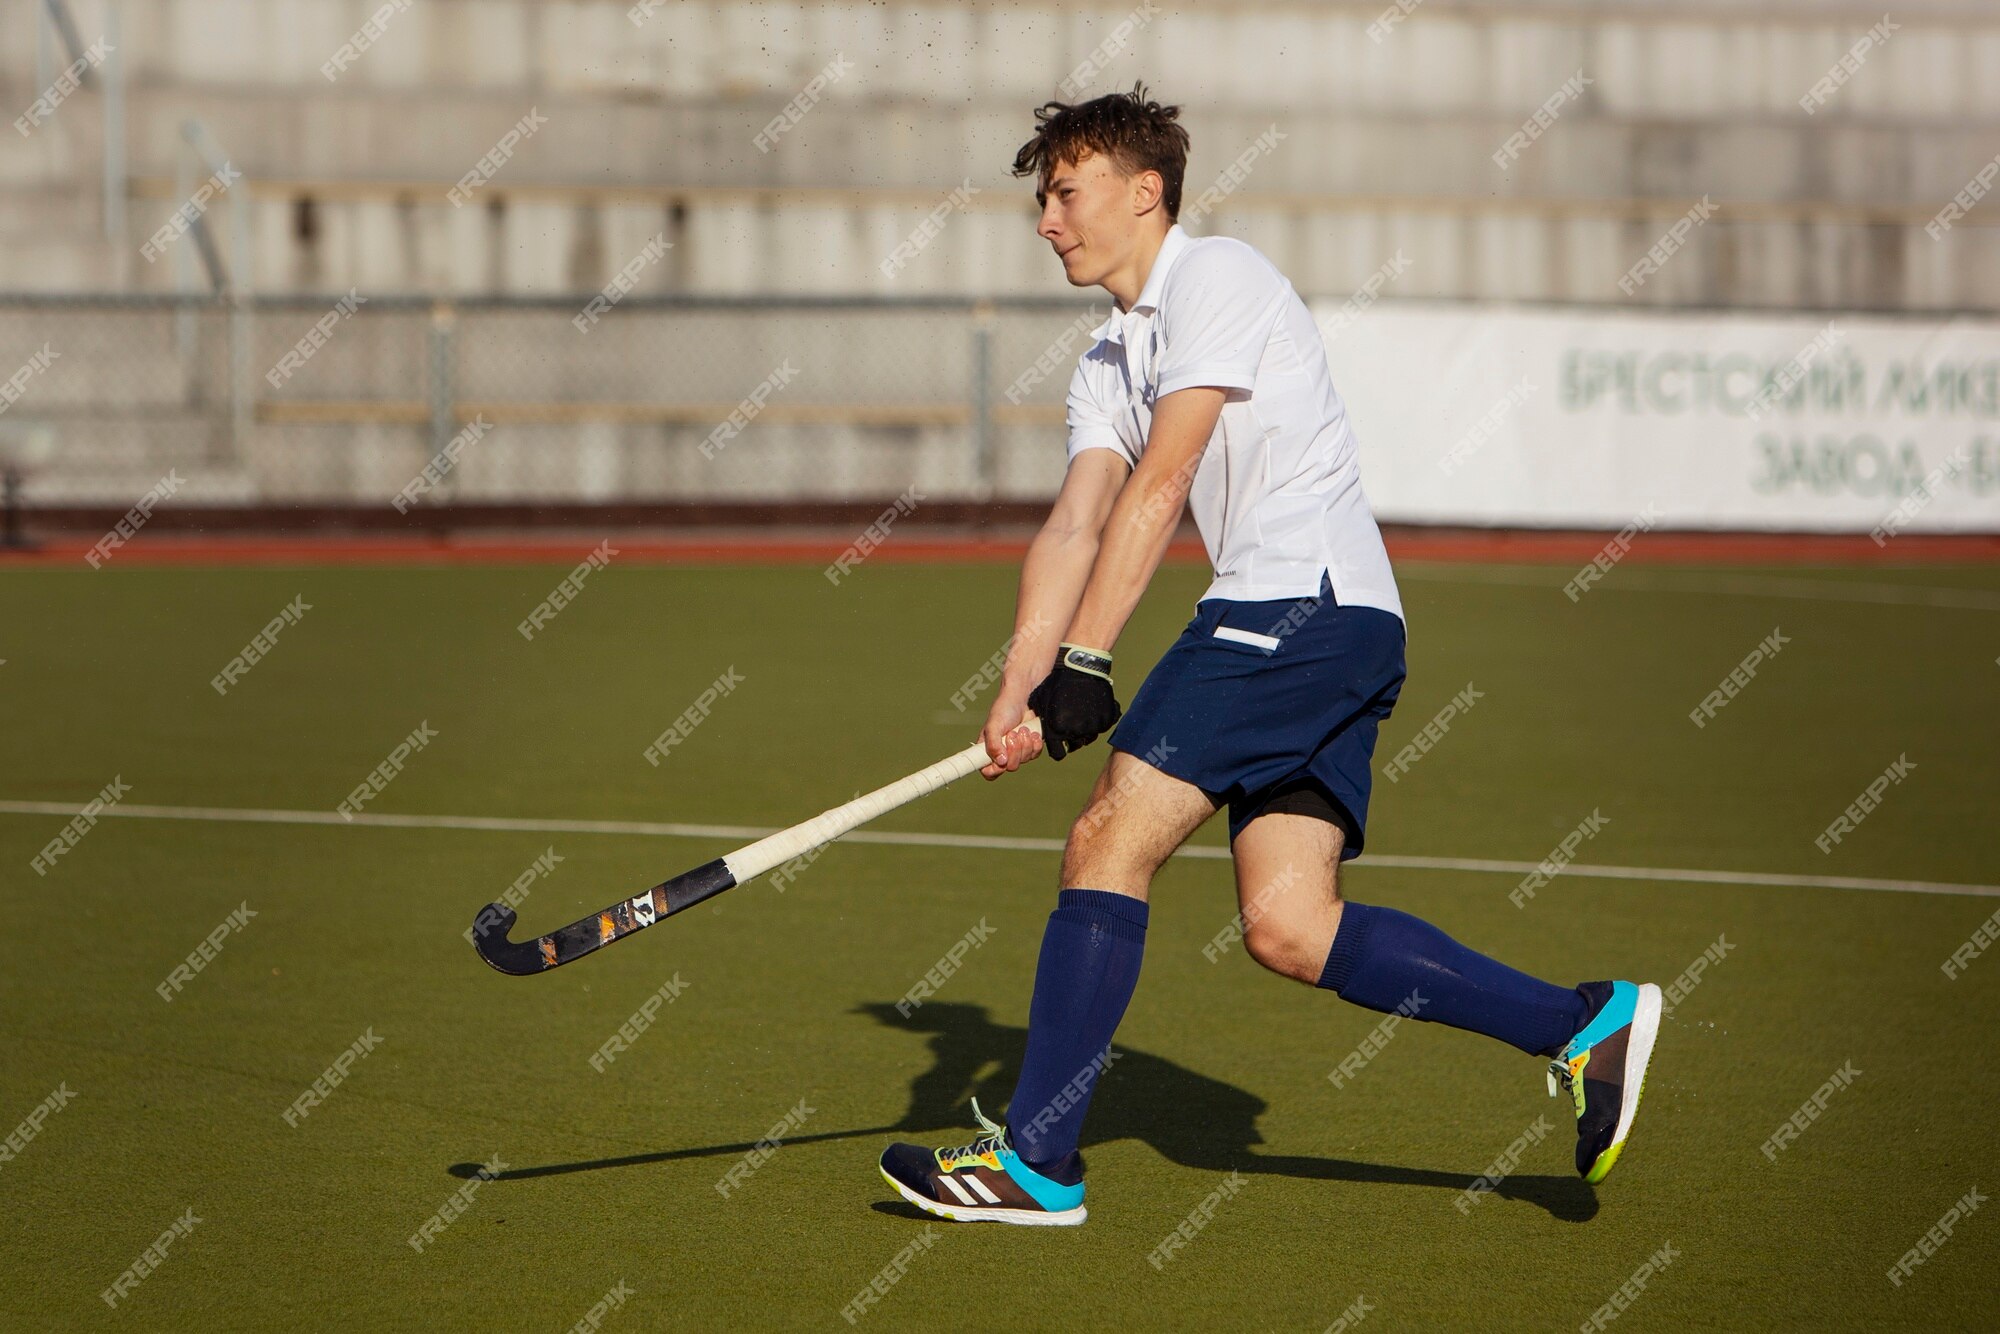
[{"x": 1176, "y": 241}]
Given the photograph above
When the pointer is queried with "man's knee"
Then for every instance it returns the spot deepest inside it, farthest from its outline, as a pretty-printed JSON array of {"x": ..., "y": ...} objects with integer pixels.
[
  {"x": 1270, "y": 944},
  {"x": 1289, "y": 944},
  {"x": 1093, "y": 842},
  {"x": 1103, "y": 831},
  {"x": 1135, "y": 818}
]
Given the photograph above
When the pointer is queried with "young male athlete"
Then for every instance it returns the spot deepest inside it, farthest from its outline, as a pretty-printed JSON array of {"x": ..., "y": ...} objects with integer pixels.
[{"x": 1209, "y": 386}]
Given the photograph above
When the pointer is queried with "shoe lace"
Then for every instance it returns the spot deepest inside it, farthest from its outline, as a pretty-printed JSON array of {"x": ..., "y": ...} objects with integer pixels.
[
  {"x": 1565, "y": 1072},
  {"x": 993, "y": 1140}
]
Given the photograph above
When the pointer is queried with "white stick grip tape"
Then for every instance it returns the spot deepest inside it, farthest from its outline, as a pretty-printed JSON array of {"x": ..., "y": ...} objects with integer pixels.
[{"x": 746, "y": 863}]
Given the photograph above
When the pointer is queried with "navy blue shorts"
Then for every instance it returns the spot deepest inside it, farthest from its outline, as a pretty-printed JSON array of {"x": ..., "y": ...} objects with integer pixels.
[{"x": 1257, "y": 700}]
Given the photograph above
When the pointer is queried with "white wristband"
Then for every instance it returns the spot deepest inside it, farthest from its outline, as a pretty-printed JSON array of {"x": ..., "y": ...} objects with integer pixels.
[{"x": 1090, "y": 661}]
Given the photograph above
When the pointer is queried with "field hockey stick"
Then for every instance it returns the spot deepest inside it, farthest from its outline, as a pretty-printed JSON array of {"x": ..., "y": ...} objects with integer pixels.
[{"x": 490, "y": 929}]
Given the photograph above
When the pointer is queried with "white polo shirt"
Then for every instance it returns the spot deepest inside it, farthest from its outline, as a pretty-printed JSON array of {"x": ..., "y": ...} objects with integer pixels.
[{"x": 1277, "y": 495}]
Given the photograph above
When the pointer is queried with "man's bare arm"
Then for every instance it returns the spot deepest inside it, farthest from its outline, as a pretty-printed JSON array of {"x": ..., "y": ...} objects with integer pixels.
[
  {"x": 1142, "y": 521},
  {"x": 1053, "y": 576}
]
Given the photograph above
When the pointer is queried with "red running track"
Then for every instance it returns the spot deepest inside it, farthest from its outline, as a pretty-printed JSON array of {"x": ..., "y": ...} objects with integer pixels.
[{"x": 711, "y": 548}]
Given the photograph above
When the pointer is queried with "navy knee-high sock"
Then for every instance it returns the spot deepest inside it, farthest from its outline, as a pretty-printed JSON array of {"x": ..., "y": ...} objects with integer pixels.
[
  {"x": 1089, "y": 965},
  {"x": 1389, "y": 961}
]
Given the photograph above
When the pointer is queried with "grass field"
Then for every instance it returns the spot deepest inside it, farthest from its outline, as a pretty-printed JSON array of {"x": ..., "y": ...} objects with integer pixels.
[{"x": 787, "y": 1001}]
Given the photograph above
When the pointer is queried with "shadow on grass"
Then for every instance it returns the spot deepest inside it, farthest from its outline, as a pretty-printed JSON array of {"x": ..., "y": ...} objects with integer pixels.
[{"x": 1188, "y": 1118}]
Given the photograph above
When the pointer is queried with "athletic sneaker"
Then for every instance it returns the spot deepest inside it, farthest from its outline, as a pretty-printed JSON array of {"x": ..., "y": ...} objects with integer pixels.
[
  {"x": 1604, "y": 1069},
  {"x": 983, "y": 1182}
]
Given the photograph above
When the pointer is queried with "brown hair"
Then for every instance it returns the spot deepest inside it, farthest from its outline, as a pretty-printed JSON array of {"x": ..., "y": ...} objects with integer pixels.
[{"x": 1136, "y": 133}]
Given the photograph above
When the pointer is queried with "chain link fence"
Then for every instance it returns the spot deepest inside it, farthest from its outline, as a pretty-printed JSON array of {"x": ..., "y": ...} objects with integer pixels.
[{"x": 345, "y": 399}]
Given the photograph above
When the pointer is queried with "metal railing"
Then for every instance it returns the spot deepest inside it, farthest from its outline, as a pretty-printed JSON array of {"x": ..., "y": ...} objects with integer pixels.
[{"x": 346, "y": 397}]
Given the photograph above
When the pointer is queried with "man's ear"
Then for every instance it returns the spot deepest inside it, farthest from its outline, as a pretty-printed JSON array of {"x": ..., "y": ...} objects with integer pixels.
[{"x": 1148, "y": 189}]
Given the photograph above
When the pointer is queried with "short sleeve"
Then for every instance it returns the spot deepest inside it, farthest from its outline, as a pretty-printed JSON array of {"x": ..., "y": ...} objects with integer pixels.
[
  {"x": 1089, "y": 424},
  {"x": 1221, "y": 305}
]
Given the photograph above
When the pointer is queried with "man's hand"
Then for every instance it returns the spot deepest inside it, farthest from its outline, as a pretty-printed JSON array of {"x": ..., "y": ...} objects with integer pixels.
[
  {"x": 1075, "y": 701},
  {"x": 1008, "y": 740}
]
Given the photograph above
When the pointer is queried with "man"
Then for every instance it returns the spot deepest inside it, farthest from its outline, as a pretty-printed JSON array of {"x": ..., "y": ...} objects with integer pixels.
[{"x": 1209, "y": 386}]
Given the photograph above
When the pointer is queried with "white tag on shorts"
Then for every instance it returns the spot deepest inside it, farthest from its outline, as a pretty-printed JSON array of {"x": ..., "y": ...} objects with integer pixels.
[{"x": 1269, "y": 643}]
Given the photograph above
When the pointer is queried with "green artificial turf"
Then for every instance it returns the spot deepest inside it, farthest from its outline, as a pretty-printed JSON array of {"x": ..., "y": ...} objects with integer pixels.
[{"x": 787, "y": 1000}]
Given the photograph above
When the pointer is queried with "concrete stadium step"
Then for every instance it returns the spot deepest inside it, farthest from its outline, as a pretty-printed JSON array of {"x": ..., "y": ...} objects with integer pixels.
[
  {"x": 1656, "y": 61},
  {"x": 605, "y": 143}
]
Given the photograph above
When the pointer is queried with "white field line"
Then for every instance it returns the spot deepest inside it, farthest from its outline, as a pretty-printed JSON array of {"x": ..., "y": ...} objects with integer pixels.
[
  {"x": 652, "y": 829},
  {"x": 1711, "y": 582}
]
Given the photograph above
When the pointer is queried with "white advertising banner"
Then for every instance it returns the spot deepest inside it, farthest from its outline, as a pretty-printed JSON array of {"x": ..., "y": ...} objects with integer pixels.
[{"x": 1546, "y": 417}]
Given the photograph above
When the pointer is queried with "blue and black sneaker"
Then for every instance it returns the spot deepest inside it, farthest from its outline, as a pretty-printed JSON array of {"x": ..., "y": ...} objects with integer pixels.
[
  {"x": 1604, "y": 1069},
  {"x": 982, "y": 1182}
]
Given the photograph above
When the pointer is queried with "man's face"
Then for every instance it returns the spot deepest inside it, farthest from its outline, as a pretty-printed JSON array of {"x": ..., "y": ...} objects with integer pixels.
[{"x": 1091, "y": 215}]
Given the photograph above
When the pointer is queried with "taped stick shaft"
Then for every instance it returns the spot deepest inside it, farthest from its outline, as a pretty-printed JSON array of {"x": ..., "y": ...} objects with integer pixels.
[
  {"x": 776, "y": 849},
  {"x": 492, "y": 929}
]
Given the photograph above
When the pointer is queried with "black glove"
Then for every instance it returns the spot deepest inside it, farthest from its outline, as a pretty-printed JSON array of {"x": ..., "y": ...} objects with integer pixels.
[{"x": 1075, "y": 701}]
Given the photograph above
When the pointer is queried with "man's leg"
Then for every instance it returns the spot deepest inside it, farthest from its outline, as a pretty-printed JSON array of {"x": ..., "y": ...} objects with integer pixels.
[
  {"x": 1028, "y": 1171},
  {"x": 1287, "y": 888},
  {"x": 1296, "y": 924},
  {"x": 1091, "y": 950}
]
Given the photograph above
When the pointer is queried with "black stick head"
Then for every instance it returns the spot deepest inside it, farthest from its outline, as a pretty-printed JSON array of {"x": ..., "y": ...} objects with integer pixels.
[{"x": 489, "y": 936}]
